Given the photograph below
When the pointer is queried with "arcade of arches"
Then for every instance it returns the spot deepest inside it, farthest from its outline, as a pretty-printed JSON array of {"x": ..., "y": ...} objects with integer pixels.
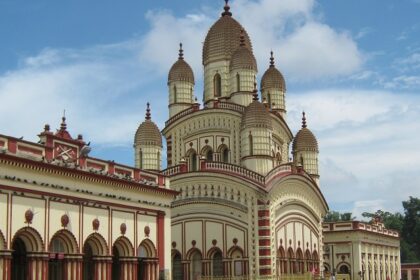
[{"x": 27, "y": 258}]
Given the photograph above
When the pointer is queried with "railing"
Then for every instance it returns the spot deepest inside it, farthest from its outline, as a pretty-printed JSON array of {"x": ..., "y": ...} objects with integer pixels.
[
  {"x": 230, "y": 106},
  {"x": 180, "y": 115},
  {"x": 231, "y": 168},
  {"x": 172, "y": 170},
  {"x": 287, "y": 167}
]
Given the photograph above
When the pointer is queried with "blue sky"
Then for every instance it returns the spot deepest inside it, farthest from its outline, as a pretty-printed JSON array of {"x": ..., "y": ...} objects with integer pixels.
[{"x": 352, "y": 65}]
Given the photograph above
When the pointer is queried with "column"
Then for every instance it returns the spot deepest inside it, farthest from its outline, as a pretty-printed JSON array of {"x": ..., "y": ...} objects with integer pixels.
[
  {"x": 5, "y": 261},
  {"x": 161, "y": 240}
]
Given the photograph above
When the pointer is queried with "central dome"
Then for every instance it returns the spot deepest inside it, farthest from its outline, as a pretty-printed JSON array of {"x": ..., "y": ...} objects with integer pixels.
[{"x": 223, "y": 37}]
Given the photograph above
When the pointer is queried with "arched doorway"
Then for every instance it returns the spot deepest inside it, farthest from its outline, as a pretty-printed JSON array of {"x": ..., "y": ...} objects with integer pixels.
[
  {"x": 147, "y": 266},
  {"x": 61, "y": 245},
  {"x": 26, "y": 240},
  {"x": 177, "y": 270},
  {"x": 19, "y": 260},
  {"x": 237, "y": 255},
  {"x": 192, "y": 160},
  {"x": 281, "y": 261},
  {"x": 217, "y": 84},
  {"x": 216, "y": 261},
  {"x": 196, "y": 265},
  {"x": 123, "y": 259},
  {"x": 56, "y": 263},
  {"x": 94, "y": 246},
  {"x": 291, "y": 261}
]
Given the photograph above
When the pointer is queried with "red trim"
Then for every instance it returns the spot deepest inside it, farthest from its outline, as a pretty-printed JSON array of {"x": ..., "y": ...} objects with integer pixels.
[
  {"x": 161, "y": 239},
  {"x": 29, "y": 150},
  {"x": 12, "y": 145}
]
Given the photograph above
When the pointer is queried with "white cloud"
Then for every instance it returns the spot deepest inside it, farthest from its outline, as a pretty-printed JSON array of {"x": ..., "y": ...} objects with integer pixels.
[{"x": 367, "y": 142}]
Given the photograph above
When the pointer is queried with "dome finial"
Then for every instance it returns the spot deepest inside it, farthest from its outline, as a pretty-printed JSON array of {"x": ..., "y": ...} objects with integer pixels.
[
  {"x": 303, "y": 119},
  {"x": 181, "y": 52},
  {"x": 63, "y": 121},
  {"x": 148, "y": 111},
  {"x": 271, "y": 59},
  {"x": 255, "y": 92},
  {"x": 242, "y": 38},
  {"x": 227, "y": 9}
]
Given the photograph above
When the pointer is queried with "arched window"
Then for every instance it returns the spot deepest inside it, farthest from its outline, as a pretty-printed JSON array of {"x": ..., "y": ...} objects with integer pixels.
[
  {"x": 282, "y": 261},
  {"x": 209, "y": 155},
  {"x": 192, "y": 159},
  {"x": 158, "y": 160},
  {"x": 236, "y": 254},
  {"x": 218, "y": 264},
  {"x": 300, "y": 262},
  {"x": 251, "y": 144},
  {"x": 225, "y": 155},
  {"x": 56, "y": 264},
  {"x": 344, "y": 269},
  {"x": 19, "y": 260},
  {"x": 291, "y": 260},
  {"x": 269, "y": 99},
  {"x": 175, "y": 94},
  {"x": 217, "y": 83},
  {"x": 147, "y": 260},
  {"x": 278, "y": 158},
  {"x": 177, "y": 271},
  {"x": 238, "y": 82},
  {"x": 196, "y": 265}
]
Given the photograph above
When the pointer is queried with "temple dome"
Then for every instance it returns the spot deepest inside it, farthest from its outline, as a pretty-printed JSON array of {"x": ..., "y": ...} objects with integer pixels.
[
  {"x": 148, "y": 133},
  {"x": 272, "y": 77},
  {"x": 223, "y": 37},
  {"x": 256, "y": 115},
  {"x": 243, "y": 58},
  {"x": 305, "y": 140},
  {"x": 181, "y": 70}
]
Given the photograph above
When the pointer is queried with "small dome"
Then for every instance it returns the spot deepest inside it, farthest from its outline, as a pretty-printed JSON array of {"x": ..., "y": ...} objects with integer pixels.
[
  {"x": 148, "y": 133},
  {"x": 222, "y": 39},
  {"x": 272, "y": 78},
  {"x": 305, "y": 140},
  {"x": 243, "y": 58},
  {"x": 256, "y": 115},
  {"x": 181, "y": 70}
]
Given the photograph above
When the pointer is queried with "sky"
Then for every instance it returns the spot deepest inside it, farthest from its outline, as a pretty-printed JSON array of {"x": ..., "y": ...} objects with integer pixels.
[{"x": 352, "y": 65}]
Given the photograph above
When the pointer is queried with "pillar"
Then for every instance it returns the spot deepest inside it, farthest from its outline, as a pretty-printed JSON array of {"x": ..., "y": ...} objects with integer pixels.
[{"x": 5, "y": 262}]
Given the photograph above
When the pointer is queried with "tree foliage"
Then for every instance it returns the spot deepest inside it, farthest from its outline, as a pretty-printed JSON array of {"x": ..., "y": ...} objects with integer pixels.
[
  {"x": 334, "y": 216},
  {"x": 408, "y": 225}
]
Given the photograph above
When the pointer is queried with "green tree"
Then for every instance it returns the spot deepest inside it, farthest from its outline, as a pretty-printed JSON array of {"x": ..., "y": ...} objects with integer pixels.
[
  {"x": 411, "y": 229},
  {"x": 391, "y": 221},
  {"x": 335, "y": 216}
]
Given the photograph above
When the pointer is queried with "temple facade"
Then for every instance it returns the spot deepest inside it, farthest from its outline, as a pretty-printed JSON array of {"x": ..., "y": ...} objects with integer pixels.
[
  {"x": 245, "y": 209},
  {"x": 66, "y": 215}
]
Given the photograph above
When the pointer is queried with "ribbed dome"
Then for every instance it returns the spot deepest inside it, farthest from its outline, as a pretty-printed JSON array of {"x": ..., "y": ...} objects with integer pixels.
[
  {"x": 256, "y": 116},
  {"x": 181, "y": 70},
  {"x": 305, "y": 140},
  {"x": 243, "y": 58},
  {"x": 272, "y": 78},
  {"x": 222, "y": 39},
  {"x": 148, "y": 133}
]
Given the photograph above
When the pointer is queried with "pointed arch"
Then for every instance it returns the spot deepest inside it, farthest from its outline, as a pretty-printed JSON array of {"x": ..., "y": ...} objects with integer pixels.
[
  {"x": 223, "y": 150},
  {"x": 177, "y": 269},
  {"x": 216, "y": 257},
  {"x": 67, "y": 239},
  {"x": 281, "y": 261},
  {"x": 191, "y": 252},
  {"x": 315, "y": 256},
  {"x": 147, "y": 249},
  {"x": 207, "y": 152},
  {"x": 235, "y": 251},
  {"x": 97, "y": 243},
  {"x": 192, "y": 159},
  {"x": 124, "y": 246},
  {"x": 251, "y": 144},
  {"x": 300, "y": 261},
  {"x": 175, "y": 95},
  {"x": 217, "y": 84},
  {"x": 2, "y": 242},
  {"x": 31, "y": 238},
  {"x": 281, "y": 253}
]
